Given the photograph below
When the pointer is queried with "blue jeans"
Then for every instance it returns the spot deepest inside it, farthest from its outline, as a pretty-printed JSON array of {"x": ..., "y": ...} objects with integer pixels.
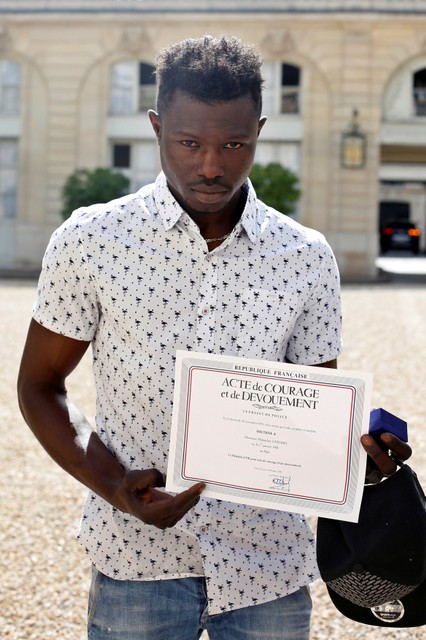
[{"x": 177, "y": 610}]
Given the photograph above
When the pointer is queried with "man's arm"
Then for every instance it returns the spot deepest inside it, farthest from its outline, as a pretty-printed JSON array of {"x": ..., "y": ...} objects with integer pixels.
[
  {"x": 47, "y": 360},
  {"x": 380, "y": 463}
]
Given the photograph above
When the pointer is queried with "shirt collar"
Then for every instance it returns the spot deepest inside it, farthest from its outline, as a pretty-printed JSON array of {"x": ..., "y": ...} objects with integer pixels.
[{"x": 170, "y": 211}]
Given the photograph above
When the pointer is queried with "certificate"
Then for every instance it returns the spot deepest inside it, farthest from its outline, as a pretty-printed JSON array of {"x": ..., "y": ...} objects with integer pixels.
[{"x": 271, "y": 435}]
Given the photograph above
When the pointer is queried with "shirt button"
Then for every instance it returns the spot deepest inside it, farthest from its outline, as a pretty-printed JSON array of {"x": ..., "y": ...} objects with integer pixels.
[
  {"x": 203, "y": 529},
  {"x": 205, "y": 311}
]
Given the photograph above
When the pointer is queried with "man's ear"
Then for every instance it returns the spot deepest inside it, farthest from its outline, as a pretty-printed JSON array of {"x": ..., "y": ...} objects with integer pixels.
[
  {"x": 155, "y": 122},
  {"x": 260, "y": 125}
]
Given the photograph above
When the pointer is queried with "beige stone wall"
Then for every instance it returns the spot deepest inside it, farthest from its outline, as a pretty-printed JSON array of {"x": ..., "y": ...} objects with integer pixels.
[{"x": 347, "y": 61}]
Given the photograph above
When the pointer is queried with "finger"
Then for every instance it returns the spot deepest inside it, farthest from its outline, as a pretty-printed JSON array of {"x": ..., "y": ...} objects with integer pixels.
[
  {"x": 140, "y": 480},
  {"x": 157, "y": 478},
  {"x": 180, "y": 498},
  {"x": 380, "y": 458},
  {"x": 164, "y": 510},
  {"x": 401, "y": 449},
  {"x": 196, "y": 489},
  {"x": 184, "y": 502},
  {"x": 189, "y": 497}
]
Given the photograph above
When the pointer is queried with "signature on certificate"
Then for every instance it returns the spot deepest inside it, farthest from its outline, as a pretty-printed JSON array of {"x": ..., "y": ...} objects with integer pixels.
[{"x": 282, "y": 483}]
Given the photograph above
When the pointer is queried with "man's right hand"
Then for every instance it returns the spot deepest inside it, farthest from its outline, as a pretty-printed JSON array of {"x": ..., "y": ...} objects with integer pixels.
[
  {"x": 137, "y": 494},
  {"x": 66, "y": 435}
]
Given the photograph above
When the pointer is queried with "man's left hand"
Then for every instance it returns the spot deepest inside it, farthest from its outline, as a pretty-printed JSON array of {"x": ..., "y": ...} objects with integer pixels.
[{"x": 380, "y": 463}]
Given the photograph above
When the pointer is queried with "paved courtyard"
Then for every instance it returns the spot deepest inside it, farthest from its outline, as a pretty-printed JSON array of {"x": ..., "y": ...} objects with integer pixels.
[{"x": 45, "y": 575}]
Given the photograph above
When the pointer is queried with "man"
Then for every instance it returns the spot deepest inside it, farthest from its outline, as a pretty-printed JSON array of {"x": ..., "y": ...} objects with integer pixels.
[{"x": 194, "y": 261}]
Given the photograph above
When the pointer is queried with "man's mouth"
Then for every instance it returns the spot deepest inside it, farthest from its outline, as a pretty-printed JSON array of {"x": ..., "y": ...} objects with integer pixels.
[{"x": 207, "y": 194}]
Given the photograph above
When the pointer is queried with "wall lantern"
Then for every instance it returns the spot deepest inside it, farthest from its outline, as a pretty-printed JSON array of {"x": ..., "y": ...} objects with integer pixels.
[{"x": 353, "y": 145}]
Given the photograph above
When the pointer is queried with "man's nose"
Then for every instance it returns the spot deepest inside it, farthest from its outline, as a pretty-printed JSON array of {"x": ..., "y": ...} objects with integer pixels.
[{"x": 210, "y": 164}]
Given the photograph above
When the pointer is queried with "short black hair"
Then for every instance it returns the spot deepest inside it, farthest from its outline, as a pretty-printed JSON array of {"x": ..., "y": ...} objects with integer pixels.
[{"x": 210, "y": 70}]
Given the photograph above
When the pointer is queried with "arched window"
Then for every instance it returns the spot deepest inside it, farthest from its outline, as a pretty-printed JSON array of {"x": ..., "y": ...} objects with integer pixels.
[
  {"x": 10, "y": 81},
  {"x": 132, "y": 88},
  {"x": 404, "y": 98},
  {"x": 419, "y": 92},
  {"x": 282, "y": 92}
]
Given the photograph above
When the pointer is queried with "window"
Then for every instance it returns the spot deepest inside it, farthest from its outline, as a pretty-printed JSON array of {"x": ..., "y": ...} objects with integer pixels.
[
  {"x": 146, "y": 87},
  {"x": 419, "y": 92},
  {"x": 121, "y": 156},
  {"x": 8, "y": 178},
  {"x": 404, "y": 99},
  {"x": 282, "y": 88},
  {"x": 122, "y": 88},
  {"x": 290, "y": 86},
  {"x": 132, "y": 87},
  {"x": 10, "y": 80},
  {"x": 137, "y": 160},
  {"x": 285, "y": 153}
]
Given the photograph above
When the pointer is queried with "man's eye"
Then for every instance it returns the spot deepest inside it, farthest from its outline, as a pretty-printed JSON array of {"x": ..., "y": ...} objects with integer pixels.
[
  {"x": 233, "y": 145},
  {"x": 189, "y": 143}
]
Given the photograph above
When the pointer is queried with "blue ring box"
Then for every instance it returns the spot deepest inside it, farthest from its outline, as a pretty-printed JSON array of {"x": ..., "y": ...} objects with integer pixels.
[{"x": 382, "y": 421}]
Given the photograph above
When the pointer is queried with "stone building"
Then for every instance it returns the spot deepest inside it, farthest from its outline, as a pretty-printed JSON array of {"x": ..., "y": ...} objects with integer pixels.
[{"x": 76, "y": 82}]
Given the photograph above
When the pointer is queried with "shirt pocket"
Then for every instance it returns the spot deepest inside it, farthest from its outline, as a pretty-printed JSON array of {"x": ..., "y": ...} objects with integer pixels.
[{"x": 266, "y": 321}]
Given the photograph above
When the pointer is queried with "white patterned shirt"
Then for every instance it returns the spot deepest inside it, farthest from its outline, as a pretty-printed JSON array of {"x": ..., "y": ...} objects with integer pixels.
[{"x": 135, "y": 277}]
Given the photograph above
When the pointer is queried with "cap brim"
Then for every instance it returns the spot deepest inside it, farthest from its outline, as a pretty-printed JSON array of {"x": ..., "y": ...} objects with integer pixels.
[{"x": 413, "y": 613}]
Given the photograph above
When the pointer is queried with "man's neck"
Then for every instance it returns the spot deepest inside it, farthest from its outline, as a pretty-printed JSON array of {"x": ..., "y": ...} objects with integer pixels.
[{"x": 215, "y": 225}]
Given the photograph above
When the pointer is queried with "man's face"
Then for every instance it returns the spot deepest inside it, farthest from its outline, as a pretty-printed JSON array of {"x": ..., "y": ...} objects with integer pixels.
[{"x": 207, "y": 150}]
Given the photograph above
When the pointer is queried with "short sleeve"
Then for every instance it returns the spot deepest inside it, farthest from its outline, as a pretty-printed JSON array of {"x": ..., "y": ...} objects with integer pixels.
[
  {"x": 67, "y": 302},
  {"x": 316, "y": 336}
]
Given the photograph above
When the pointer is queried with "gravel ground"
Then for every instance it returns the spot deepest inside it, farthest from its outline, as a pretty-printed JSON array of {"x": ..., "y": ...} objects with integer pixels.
[{"x": 45, "y": 574}]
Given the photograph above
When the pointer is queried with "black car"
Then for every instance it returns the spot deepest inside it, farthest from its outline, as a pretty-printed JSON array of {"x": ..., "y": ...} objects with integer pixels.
[{"x": 400, "y": 234}]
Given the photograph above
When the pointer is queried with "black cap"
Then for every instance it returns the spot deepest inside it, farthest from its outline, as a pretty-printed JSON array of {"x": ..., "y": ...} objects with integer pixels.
[
  {"x": 408, "y": 611},
  {"x": 375, "y": 570}
]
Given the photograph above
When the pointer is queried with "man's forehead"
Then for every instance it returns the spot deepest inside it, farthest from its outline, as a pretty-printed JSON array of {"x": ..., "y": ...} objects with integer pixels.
[{"x": 179, "y": 96}]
